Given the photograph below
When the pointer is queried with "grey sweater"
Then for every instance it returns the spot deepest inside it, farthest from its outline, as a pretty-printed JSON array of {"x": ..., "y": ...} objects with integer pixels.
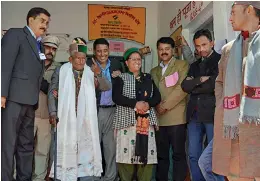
[{"x": 188, "y": 55}]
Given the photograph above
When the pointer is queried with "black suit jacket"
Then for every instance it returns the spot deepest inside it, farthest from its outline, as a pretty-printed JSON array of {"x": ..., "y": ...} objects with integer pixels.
[
  {"x": 114, "y": 65},
  {"x": 202, "y": 94},
  {"x": 22, "y": 69}
]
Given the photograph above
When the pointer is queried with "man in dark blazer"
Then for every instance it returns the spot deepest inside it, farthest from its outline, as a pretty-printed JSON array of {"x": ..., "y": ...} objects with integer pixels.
[
  {"x": 200, "y": 84},
  {"x": 21, "y": 76}
]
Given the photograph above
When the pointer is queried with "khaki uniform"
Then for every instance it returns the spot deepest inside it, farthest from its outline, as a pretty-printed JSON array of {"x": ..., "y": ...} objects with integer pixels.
[{"x": 42, "y": 131}]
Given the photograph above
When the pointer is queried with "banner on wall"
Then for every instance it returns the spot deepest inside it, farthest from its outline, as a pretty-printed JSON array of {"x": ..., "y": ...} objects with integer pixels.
[{"x": 119, "y": 22}]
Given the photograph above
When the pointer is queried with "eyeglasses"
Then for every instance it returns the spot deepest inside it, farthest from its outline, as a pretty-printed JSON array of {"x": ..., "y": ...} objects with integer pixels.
[
  {"x": 43, "y": 21},
  {"x": 135, "y": 59}
]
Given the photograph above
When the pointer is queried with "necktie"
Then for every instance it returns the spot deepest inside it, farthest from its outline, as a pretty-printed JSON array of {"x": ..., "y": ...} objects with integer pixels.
[
  {"x": 245, "y": 34},
  {"x": 39, "y": 46}
]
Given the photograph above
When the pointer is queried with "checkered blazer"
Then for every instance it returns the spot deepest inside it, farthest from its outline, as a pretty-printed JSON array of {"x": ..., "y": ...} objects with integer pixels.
[{"x": 125, "y": 116}]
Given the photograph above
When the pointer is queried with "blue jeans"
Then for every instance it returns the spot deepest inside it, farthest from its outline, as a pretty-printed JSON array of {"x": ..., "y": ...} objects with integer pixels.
[
  {"x": 196, "y": 131},
  {"x": 205, "y": 164}
]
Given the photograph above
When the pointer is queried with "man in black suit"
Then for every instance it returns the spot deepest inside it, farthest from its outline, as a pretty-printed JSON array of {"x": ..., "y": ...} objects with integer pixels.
[
  {"x": 106, "y": 107},
  {"x": 200, "y": 84},
  {"x": 21, "y": 76}
]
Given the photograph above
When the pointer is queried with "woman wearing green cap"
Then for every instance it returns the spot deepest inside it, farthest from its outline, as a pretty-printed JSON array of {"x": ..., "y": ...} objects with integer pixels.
[{"x": 135, "y": 120}]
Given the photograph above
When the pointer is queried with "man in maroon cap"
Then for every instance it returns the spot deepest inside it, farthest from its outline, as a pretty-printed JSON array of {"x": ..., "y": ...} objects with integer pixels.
[{"x": 236, "y": 147}]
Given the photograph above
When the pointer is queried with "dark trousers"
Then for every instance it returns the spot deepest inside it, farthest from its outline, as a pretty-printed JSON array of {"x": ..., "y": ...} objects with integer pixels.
[
  {"x": 17, "y": 139},
  {"x": 176, "y": 137}
]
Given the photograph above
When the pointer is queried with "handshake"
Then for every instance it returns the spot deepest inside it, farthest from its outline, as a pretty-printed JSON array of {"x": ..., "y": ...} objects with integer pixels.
[{"x": 142, "y": 107}]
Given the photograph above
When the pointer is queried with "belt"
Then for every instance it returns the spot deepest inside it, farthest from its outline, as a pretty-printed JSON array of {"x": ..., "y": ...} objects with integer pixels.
[{"x": 107, "y": 106}]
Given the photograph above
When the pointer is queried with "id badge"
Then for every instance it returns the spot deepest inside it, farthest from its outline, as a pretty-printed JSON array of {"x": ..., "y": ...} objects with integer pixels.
[{"x": 42, "y": 56}]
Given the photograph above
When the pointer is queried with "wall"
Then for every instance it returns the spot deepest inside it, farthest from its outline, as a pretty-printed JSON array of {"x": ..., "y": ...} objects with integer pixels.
[
  {"x": 168, "y": 10},
  {"x": 71, "y": 17},
  {"x": 222, "y": 25},
  {"x": 218, "y": 11}
]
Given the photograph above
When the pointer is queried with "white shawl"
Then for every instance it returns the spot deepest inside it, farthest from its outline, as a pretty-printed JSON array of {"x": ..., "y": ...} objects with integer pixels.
[{"x": 78, "y": 147}]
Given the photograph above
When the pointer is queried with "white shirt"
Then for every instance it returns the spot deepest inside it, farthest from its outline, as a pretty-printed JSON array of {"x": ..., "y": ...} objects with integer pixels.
[
  {"x": 38, "y": 39},
  {"x": 164, "y": 67}
]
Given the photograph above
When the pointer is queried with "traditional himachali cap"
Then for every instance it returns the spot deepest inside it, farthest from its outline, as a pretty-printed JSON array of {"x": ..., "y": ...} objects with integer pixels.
[
  {"x": 130, "y": 51},
  {"x": 77, "y": 46},
  {"x": 79, "y": 40},
  {"x": 51, "y": 41},
  {"x": 255, "y": 4},
  {"x": 74, "y": 47}
]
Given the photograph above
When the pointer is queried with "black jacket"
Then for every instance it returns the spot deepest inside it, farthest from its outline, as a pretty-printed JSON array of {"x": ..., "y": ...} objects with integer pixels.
[
  {"x": 202, "y": 95},
  {"x": 143, "y": 88}
]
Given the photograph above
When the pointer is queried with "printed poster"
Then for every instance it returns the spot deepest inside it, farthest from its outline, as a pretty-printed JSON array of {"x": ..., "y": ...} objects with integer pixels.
[{"x": 116, "y": 22}]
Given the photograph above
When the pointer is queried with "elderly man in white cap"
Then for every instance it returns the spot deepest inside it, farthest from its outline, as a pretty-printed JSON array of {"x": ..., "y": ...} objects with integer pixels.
[{"x": 42, "y": 127}]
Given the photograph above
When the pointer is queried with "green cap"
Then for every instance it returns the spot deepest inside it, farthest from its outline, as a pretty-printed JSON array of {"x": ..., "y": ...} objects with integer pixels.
[
  {"x": 77, "y": 48},
  {"x": 130, "y": 51}
]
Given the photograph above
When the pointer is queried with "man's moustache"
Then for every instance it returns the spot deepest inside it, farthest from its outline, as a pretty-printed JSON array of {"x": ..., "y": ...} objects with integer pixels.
[{"x": 50, "y": 54}]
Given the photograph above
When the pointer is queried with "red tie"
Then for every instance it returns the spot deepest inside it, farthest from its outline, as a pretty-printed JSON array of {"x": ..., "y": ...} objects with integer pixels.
[{"x": 245, "y": 34}]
